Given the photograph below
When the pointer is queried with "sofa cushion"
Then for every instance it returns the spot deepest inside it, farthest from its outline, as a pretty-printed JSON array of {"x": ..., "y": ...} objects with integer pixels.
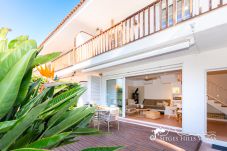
[
  {"x": 149, "y": 102},
  {"x": 158, "y": 104}
]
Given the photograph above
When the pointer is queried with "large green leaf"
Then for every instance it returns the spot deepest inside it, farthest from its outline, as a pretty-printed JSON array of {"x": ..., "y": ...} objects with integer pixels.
[
  {"x": 32, "y": 91},
  {"x": 16, "y": 42},
  {"x": 24, "y": 139},
  {"x": 6, "y": 125},
  {"x": 73, "y": 119},
  {"x": 60, "y": 88},
  {"x": 62, "y": 110},
  {"x": 58, "y": 100},
  {"x": 33, "y": 102},
  {"x": 11, "y": 136},
  {"x": 42, "y": 59},
  {"x": 33, "y": 86},
  {"x": 49, "y": 142},
  {"x": 85, "y": 122},
  {"x": 11, "y": 57},
  {"x": 36, "y": 90},
  {"x": 29, "y": 149},
  {"x": 103, "y": 148},
  {"x": 10, "y": 84},
  {"x": 86, "y": 131},
  {"x": 24, "y": 87}
]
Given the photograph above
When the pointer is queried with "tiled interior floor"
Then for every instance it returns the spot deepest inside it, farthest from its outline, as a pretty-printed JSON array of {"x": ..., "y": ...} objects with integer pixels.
[
  {"x": 165, "y": 120},
  {"x": 220, "y": 128}
]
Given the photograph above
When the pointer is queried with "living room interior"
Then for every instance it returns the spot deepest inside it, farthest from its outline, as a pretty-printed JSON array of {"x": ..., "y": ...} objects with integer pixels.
[
  {"x": 217, "y": 103},
  {"x": 155, "y": 98}
]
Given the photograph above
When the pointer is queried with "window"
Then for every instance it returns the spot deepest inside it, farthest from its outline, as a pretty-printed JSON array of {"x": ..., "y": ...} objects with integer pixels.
[
  {"x": 179, "y": 10},
  {"x": 164, "y": 18},
  {"x": 187, "y": 9},
  {"x": 170, "y": 17},
  {"x": 115, "y": 93}
]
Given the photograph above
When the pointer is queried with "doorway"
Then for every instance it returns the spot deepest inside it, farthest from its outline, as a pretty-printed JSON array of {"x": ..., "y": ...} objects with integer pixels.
[
  {"x": 155, "y": 98},
  {"x": 217, "y": 104}
]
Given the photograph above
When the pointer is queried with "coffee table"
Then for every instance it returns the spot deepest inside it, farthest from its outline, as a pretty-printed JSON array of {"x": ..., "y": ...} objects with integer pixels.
[
  {"x": 152, "y": 114},
  {"x": 141, "y": 111}
]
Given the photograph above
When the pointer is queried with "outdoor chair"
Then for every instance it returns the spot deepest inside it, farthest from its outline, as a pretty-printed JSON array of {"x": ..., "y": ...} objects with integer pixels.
[
  {"x": 112, "y": 116},
  {"x": 106, "y": 116}
]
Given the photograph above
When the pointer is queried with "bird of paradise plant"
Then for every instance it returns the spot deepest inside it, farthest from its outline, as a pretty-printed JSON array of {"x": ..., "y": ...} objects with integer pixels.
[{"x": 31, "y": 120}]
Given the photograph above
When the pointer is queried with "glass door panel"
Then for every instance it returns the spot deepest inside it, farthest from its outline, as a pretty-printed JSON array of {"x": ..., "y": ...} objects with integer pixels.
[{"x": 115, "y": 93}]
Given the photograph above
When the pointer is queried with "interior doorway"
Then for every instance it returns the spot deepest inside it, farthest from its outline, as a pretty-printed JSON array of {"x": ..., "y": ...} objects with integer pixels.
[
  {"x": 155, "y": 98},
  {"x": 217, "y": 104}
]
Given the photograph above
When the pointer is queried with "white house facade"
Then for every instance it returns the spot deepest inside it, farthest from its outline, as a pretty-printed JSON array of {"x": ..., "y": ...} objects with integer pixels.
[{"x": 149, "y": 50}]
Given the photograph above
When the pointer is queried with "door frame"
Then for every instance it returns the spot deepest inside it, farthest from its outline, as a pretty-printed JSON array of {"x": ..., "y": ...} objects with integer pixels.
[{"x": 220, "y": 142}]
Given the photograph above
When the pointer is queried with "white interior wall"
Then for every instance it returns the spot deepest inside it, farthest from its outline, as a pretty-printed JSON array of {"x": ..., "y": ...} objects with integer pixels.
[
  {"x": 219, "y": 79},
  {"x": 157, "y": 90},
  {"x": 132, "y": 89},
  {"x": 160, "y": 88}
]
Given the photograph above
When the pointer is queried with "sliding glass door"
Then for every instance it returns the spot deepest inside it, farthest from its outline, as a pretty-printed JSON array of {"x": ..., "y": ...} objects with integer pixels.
[{"x": 115, "y": 93}]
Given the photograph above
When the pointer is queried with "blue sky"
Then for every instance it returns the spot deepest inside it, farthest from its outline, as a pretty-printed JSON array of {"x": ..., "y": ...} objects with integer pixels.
[{"x": 36, "y": 18}]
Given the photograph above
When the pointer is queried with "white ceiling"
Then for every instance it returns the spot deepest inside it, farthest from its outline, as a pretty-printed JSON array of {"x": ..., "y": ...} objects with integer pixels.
[
  {"x": 92, "y": 15},
  {"x": 151, "y": 76}
]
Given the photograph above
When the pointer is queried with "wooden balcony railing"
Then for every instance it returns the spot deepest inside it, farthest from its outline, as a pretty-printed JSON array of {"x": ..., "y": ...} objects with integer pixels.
[{"x": 157, "y": 16}]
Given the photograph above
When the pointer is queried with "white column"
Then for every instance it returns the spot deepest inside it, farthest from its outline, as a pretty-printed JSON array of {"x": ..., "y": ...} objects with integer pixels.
[{"x": 194, "y": 92}]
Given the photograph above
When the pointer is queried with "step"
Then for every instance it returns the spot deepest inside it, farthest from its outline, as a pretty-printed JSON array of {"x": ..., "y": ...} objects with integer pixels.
[
  {"x": 217, "y": 102},
  {"x": 221, "y": 107}
]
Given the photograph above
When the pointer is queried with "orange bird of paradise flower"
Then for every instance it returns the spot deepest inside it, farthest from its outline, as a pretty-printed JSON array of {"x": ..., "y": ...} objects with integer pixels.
[{"x": 46, "y": 72}]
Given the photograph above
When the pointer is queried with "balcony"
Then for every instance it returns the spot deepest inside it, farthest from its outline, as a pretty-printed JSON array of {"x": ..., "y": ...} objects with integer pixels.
[{"x": 154, "y": 18}]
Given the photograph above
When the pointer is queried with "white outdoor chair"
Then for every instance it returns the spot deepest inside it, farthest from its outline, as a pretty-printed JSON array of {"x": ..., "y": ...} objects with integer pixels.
[
  {"x": 107, "y": 115},
  {"x": 110, "y": 115},
  {"x": 99, "y": 117},
  {"x": 113, "y": 116}
]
